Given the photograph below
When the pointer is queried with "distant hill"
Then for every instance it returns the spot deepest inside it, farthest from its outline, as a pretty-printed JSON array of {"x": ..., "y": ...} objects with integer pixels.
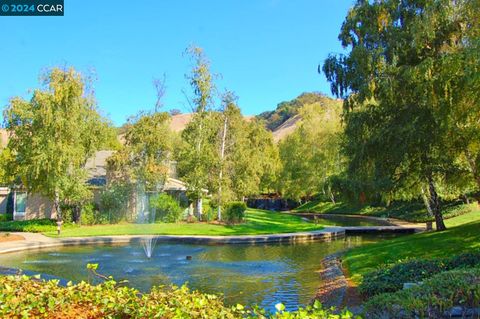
[
  {"x": 288, "y": 109},
  {"x": 180, "y": 121},
  {"x": 281, "y": 122},
  {"x": 284, "y": 119},
  {"x": 286, "y": 128}
]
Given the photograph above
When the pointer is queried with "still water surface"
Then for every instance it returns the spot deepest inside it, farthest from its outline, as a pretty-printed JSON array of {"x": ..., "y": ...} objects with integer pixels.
[{"x": 247, "y": 274}]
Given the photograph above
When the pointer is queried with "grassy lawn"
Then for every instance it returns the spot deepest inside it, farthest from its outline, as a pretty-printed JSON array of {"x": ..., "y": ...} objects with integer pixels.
[
  {"x": 462, "y": 235},
  {"x": 409, "y": 211},
  {"x": 258, "y": 222}
]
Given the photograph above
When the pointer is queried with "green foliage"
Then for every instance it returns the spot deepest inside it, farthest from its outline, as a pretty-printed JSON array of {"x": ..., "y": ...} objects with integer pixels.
[
  {"x": 462, "y": 236},
  {"x": 311, "y": 155},
  {"x": 288, "y": 109},
  {"x": 6, "y": 217},
  {"x": 23, "y": 297},
  {"x": 53, "y": 135},
  {"x": 412, "y": 211},
  {"x": 407, "y": 82},
  {"x": 198, "y": 150},
  {"x": 431, "y": 299},
  {"x": 209, "y": 210},
  {"x": 235, "y": 212},
  {"x": 88, "y": 214},
  {"x": 256, "y": 222},
  {"x": 114, "y": 203},
  {"x": 145, "y": 155},
  {"x": 221, "y": 151},
  {"x": 67, "y": 213},
  {"x": 392, "y": 278},
  {"x": 168, "y": 209},
  {"x": 34, "y": 226}
]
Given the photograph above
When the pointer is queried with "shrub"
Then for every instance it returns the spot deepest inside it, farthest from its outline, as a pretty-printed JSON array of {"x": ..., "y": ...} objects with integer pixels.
[
  {"x": 6, "y": 217},
  {"x": 67, "y": 213},
  {"x": 471, "y": 259},
  {"x": 114, "y": 202},
  {"x": 234, "y": 212},
  {"x": 22, "y": 297},
  {"x": 391, "y": 279},
  {"x": 35, "y": 226},
  {"x": 168, "y": 210},
  {"x": 432, "y": 299},
  {"x": 88, "y": 215},
  {"x": 209, "y": 210}
]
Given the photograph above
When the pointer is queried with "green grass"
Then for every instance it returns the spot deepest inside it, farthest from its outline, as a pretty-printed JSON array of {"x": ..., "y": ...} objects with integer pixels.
[
  {"x": 258, "y": 222},
  {"x": 462, "y": 235},
  {"x": 409, "y": 211}
]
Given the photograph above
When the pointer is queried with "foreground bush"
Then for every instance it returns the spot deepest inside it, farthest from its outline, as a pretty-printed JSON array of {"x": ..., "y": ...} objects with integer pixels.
[
  {"x": 392, "y": 278},
  {"x": 433, "y": 299},
  {"x": 23, "y": 297},
  {"x": 235, "y": 212}
]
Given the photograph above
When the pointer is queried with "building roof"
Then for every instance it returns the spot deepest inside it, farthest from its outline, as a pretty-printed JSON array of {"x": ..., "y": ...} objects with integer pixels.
[{"x": 96, "y": 167}]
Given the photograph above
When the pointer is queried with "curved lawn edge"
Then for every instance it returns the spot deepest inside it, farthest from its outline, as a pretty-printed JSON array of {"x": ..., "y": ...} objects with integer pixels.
[
  {"x": 41, "y": 242},
  {"x": 388, "y": 221}
]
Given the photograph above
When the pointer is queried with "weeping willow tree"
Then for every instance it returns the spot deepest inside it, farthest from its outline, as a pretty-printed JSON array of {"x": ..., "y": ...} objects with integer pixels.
[
  {"x": 409, "y": 64},
  {"x": 53, "y": 134}
]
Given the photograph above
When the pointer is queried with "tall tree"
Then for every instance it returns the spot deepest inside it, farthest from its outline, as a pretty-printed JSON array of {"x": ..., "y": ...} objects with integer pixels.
[
  {"x": 53, "y": 135},
  {"x": 311, "y": 155},
  {"x": 398, "y": 111},
  {"x": 145, "y": 158},
  {"x": 195, "y": 161}
]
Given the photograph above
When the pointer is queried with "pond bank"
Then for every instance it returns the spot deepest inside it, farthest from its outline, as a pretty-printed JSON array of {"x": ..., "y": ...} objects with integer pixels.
[{"x": 39, "y": 241}]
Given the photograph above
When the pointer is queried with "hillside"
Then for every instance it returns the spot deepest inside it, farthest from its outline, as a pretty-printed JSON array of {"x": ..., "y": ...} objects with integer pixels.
[
  {"x": 285, "y": 118},
  {"x": 180, "y": 121},
  {"x": 281, "y": 122},
  {"x": 286, "y": 128}
]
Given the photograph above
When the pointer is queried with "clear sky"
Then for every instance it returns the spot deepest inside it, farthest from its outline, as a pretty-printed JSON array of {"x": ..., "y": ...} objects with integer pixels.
[{"x": 267, "y": 51}]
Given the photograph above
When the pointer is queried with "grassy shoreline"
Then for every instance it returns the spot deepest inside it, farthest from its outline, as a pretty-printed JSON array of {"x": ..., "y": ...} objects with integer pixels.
[
  {"x": 414, "y": 212},
  {"x": 258, "y": 222},
  {"x": 462, "y": 235}
]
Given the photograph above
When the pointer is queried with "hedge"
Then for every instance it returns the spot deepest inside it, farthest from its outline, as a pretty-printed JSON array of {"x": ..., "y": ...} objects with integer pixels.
[{"x": 235, "y": 212}]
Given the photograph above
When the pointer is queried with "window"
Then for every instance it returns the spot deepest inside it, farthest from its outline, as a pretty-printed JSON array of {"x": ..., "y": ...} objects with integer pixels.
[{"x": 20, "y": 203}]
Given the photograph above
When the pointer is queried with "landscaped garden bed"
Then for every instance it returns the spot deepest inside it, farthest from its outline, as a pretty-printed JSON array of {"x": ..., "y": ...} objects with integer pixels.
[{"x": 24, "y": 297}]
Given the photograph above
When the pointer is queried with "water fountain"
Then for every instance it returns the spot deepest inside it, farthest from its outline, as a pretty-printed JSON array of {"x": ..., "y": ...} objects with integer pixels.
[
  {"x": 146, "y": 215},
  {"x": 148, "y": 244}
]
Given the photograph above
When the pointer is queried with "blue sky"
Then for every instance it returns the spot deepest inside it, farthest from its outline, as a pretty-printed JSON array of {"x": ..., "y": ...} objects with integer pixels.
[{"x": 267, "y": 51}]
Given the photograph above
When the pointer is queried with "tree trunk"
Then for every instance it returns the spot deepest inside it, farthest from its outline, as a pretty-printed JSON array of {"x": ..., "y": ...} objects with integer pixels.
[
  {"x": 78, "y": 214},
  {"x": 56, "y": 204},
  {"x": 332, "y": 196},
  {"x": 429, "y": 209},
  {"x": 220, "y": 174},
  {"x": 475, "y": 172},
  {"x": 198, "y": 208},
  {"x": 435, "y": 205}
]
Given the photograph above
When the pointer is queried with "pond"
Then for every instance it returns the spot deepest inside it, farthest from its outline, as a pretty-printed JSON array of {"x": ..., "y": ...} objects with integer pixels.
[{"x": 247, "y": 274}]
